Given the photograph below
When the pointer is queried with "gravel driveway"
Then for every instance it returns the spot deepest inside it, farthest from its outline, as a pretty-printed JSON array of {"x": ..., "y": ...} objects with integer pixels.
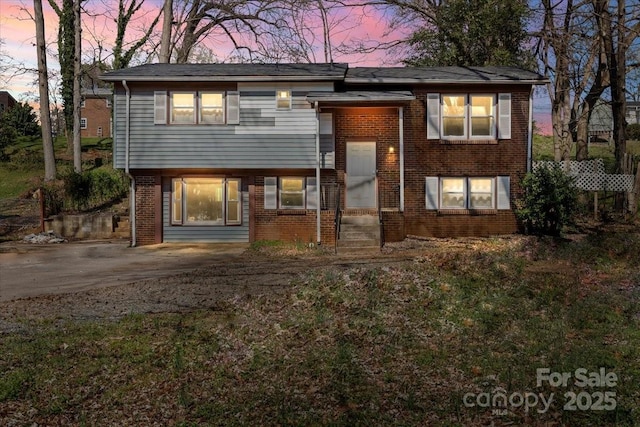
[{"x": 107, "y": 280}]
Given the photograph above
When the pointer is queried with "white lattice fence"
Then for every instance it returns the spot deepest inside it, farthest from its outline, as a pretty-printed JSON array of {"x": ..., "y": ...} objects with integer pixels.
[{"x": 589, "y": 175}]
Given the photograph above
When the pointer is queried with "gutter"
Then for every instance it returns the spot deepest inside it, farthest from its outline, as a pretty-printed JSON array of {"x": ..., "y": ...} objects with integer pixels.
[
  {"x": 530, "y": 132},
  {"x": 132, "y": 192},
  {"x": 318, "y": 189},
  {"x": 401, "y": 149}
]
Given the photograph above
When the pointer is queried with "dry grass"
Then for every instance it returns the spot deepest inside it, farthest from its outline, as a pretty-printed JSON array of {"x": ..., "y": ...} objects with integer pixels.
[{"x": 383, "y": 343}]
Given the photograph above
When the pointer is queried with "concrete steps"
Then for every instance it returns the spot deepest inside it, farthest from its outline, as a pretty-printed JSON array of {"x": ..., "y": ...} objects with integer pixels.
[
  {"x": 359, "y": 232},
  {"x": 121, "y": 228}
]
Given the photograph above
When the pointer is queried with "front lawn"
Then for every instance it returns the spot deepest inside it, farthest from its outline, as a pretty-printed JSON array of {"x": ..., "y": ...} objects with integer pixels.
[{"x": 451, "y": 335}]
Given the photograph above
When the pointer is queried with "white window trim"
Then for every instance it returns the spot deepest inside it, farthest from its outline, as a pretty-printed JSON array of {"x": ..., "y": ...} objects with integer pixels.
[
  {"x": 502, "y": 117},
  {"x": 223, "y": 106},
  {"x": 289, "y": 99},
  {"x": 465, "y": 116},
  {"x": 496, "y": 204},
  {"x": 465, "y": 193},
  {"x": 182, "y": 200},
  {"x": 494, "y": 118},
  {"x": 171, "y": 107},
  {"x": 304, "y": 192},
  {"x": 83, "y": 123}
]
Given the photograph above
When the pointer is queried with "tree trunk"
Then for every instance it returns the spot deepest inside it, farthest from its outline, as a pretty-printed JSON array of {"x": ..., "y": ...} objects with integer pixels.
[
  {"x": 77, "y": 95},
  {"x": 582, "y": 134},
  {"x": 165, "y": 41},
  {"x": 43, "y": 84}
]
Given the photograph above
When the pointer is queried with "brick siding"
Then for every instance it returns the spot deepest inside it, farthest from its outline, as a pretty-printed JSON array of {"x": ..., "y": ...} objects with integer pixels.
[
  {"x": 98, "y": 115},
  {"x": 146, "y": 207}
]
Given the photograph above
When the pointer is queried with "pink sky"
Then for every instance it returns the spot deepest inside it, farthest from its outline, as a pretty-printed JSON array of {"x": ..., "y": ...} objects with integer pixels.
[{"x": 17, "y": 32}]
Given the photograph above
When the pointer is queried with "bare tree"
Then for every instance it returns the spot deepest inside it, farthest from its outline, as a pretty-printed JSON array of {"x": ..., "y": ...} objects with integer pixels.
[
  {"x": 43, "y": 83},
  {"x": 77, "y": 95},
  {"x": 167, "y": 23},
  {"x": 123, "y": 54}
]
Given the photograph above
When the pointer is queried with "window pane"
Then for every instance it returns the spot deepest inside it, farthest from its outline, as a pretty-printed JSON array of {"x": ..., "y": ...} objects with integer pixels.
[
  {"x": 482, "y": 126},
  {"x": 481, "y": 193},
  {"x": 203, "y": 199},
  {"x": 482, "y": 115},
  {"x": 453, "y": 193},
  {"x": 211, "y": 108},
  {"x": 452, "y": 126},
  {"x": 283, "y": 99},
  {"x": 176, "y": 208},
  {"x": 292, "y": 192},
  {"x": 233, "y": 201},
  {"x": 453, "y": 106},
  {"x": 453, "y": 113},
  {"x": 182, "y": 108}
]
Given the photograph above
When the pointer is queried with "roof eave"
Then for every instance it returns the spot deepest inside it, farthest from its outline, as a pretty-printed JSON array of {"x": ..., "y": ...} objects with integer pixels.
[
  {"x": 221, "y": 78},
  {"x": 441, "y": 81}
]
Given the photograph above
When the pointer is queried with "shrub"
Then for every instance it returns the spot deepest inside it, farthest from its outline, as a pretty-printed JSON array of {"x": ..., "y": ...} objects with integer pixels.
[
  {"x": 93, "y": 188},
  {"x": 549, "y": 202},
  {"x": 633, "y": 131}
]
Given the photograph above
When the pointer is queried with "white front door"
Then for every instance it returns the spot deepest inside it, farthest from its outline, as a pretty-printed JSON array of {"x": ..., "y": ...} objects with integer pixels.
[{"x": 361, "y": 175}]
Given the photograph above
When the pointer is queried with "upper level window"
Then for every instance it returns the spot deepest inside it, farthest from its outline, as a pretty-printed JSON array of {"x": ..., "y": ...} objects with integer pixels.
[
  {"x": 83, "y": 103},
  {"x": 283, "y": 99},
  {"x": 482, "y": 115},
  {"x": 83, "y": 123},
  {"x": 469, "y": 116},
  {"x": 212, "y": 107},
  {"x": 183, "y": 107}
]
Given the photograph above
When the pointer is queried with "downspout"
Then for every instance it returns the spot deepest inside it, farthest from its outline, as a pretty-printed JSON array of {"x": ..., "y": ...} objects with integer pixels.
[
  {"x": 401, "y": 137},
  {"x": 318, "y": 189},
  {"x": 132, "y": 192},
  {"x": 530, "y": 132}
]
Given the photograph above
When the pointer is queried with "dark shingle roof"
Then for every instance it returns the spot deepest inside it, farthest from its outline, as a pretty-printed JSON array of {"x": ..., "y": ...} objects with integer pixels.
[
  {"x": 361, "y": 96},
  {"x": 442, "y": 75},
  {"x": 228, "y": 72}
]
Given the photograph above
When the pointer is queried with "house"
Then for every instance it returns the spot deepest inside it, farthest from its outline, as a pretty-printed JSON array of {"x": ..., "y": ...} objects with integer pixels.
[
  {"x": 633, "y": 112},
  {"x": 601, "y": 122},
  {"x": 6, "y": 101},
  {"x": 95, "y": 115},
  {"x": 244, "y": 152}
]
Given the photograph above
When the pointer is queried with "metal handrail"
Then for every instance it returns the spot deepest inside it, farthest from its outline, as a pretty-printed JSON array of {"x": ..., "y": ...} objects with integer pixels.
[
  {"x": 380, "y": 219},
  {"x": 337, "y": 218}
]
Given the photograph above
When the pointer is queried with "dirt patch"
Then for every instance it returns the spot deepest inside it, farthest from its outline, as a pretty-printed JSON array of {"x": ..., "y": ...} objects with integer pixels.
[{"x": 205, "y": 287}]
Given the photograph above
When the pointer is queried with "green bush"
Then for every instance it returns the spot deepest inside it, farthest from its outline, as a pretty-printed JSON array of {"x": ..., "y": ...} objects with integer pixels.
[
  {"x": 549, "y": 202},
  {"x": 93, "y": 188},
  {"x": 633, "y": 132}
]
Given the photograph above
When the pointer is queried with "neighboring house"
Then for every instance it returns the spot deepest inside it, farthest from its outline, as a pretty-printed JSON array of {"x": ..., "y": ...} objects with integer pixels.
[
  {"x": 95, "y": 115},
  {"x": 633, "y": 112},
  {"x": 601, "y": 122},
  {"x": 6, "y": 101},
  {"x": 244, "y": 152}
]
